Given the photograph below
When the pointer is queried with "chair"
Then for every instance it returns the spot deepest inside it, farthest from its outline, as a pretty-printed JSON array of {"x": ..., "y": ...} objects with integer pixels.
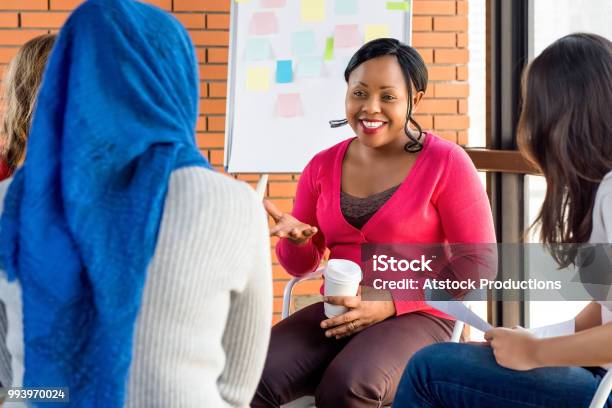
[
  {"x": 599, "y": 400},
  {"x": 308, "y": 401},
  {"x": 603, "y": 392}
]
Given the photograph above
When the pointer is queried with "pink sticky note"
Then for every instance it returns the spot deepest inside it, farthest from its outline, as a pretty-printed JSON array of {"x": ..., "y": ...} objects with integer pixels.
[
  {"x": 264, "y": 23},
  {"x": 273, "y": 3},
  {"x": 289, "y": 105},
  {"x": 347, "y": 36}
]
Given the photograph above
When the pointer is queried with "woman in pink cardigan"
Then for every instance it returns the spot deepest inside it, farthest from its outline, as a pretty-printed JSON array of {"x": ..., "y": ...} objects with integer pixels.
[{"x": 392, "y": 183}]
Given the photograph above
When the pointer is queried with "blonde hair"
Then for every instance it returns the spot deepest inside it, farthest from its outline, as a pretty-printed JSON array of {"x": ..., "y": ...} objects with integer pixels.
[{"x": 21, "y": 85}]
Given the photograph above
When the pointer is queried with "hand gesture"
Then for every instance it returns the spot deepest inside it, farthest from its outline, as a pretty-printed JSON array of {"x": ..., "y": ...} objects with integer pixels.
[
  {"x": 514, "y": 348},
  {"x": 288, "y": 226}
]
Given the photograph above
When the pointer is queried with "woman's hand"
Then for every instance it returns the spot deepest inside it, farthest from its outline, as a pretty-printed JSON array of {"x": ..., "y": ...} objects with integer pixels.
[
  {"x": 514, "y": 348},
  {"x": 361, "y": 314},
  {"x": 288, "y": 226}
]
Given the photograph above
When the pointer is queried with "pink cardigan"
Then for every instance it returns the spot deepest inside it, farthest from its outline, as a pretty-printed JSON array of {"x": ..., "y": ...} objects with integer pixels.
[{"x": 441, "y": 200}]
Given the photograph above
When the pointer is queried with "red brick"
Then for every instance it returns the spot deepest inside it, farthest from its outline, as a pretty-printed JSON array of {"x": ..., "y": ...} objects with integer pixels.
[
  {"x": 210, "y": 37},
  {"x": 434, "y": 40},
  {"x": 422, "y": 23},
  {"x": 449, "y": 135},
  {"x": 218, "y": 55},
  {"x": 216, "y": 123},
  {"x": 43, "y": 20},
  {"x": 428, "y": 105},
  {"x": 455, "y": 23},
  {"x": 441, "y": 72},
  {"x": 210, "y": 140},
  {"x": 218, "y": 21},
  {"x": 7, "y": 54},
  {"x": 23, "y": 5},
  {"x": 462, "y": 137},
  {"x": 65, "y": 4},
  {"x": 432, "y": 8},
  {"x": 425, "y": 121},
  {"x": 462, "y": 106},
  {"x": 456, "y": 90},
  {"x": 462, "y": 73},
  {"x": 462, "y": 8},
  {"x": 282, "y": 189},
  {"x": 426, "y": 54},
  {"x": 455, "y": 56},
  {"x": 216, "y": 157},
  {"x": 444, "y": 122},
  {"x": 18, "y": 37},
  {"x": 217, "y": 89},
  {"x": 8, "y": 20},
  {"x": 203, "y": 90},
  {"x": 462, "y": 40},
  {"x": 192, "y": 20},
  {"x": 201, "y": 54},
  {"x": 162, "y": 4},
  {"x": 208, "y": 71},
  {"x": 202, "y": 5},
  {"x": 201, "y": 124},
  {"x": 212, "y": 106}
]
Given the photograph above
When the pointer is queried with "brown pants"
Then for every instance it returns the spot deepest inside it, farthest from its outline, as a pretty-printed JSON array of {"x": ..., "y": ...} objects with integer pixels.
[{"x": 359, "y": 371}]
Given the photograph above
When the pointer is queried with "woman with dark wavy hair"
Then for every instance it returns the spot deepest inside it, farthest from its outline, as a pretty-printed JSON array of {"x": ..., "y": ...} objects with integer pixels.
[
  {"x": 566, "y": 130},
  {"x": 391, "y": 183}
]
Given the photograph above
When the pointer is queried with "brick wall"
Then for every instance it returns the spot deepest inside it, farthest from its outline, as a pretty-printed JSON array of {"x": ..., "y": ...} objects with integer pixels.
[{"x": 439, "y": 33}]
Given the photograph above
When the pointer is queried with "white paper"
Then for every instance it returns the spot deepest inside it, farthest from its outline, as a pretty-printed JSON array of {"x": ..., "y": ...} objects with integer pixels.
[
  {"x": 554, "y": 330},
  {"x": 460, "y": 311}
]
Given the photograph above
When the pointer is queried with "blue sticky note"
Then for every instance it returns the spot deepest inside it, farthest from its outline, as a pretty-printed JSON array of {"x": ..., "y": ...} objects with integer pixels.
[
  {"x": 346, "y": 7},
  {"x": 303, "y": 42},
  {"x": 310, "y": 67},
  {"x": 257, "y": 49},
  {"x": 284, "y": 72}
]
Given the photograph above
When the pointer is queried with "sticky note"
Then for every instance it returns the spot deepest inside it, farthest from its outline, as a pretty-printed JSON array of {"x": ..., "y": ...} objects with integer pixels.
[
  {"x": 374, "y": 31},
  {"x": 398, "y": 5},
  {"x": 284, "y": 72},
  {"x": 346, "y": 36},
  {"x": 242, "y": 1},
  {"x": 258, "y": 79},
  {"x": 303, "y": 42},
  {"x": 313, "y": 10},
  {"x": 273, "y": 3},
  {"x": 289, "y": 105},
  {"x": 257, "y": 49},
  {"x": 346, "y": 7},
  {"x": 263, "y": 23},
  {"x": 329, "y": 49},
  {"x": 309, "y": 67}
]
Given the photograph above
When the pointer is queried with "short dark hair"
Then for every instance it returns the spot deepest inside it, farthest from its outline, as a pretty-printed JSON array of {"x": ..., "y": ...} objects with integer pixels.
[
  {"x": 565, "y": 129},
  {"x": 413, "y": 68}
]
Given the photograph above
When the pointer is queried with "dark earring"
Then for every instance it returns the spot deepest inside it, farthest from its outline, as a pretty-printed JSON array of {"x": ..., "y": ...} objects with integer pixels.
[{"x": 338, "y": 123}]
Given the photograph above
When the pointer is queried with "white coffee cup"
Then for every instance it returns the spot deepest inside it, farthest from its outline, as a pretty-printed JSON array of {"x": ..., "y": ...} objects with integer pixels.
[{"x": 342, "y": 278}]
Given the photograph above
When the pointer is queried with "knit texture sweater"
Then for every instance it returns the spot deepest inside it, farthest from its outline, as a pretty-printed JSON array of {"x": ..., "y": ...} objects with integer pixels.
[
  {"x": 441, "y": 200},
  {"x": 202, "y": 333}
]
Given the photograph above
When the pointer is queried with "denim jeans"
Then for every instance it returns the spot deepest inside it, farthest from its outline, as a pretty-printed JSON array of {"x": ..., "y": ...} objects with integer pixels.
[{"x": 465, "y": 375}]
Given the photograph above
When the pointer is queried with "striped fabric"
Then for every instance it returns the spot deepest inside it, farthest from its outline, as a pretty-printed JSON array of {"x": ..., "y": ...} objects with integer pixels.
[{"x": 6, "y": 372}]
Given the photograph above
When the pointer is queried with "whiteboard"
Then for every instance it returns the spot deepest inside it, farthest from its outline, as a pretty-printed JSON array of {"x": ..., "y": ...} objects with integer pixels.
[{"x": 278, "y": 118}]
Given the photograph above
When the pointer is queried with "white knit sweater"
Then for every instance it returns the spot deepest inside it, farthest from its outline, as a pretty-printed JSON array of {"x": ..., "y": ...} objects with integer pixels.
[{"x": 202, "y": 333}]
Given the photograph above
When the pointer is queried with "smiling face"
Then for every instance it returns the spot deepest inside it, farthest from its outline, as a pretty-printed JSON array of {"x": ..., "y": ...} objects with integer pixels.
[{"x": 377, "y": 102}]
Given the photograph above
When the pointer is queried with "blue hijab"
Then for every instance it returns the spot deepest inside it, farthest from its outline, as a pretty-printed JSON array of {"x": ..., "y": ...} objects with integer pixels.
[{"x": 116, "y": 115}]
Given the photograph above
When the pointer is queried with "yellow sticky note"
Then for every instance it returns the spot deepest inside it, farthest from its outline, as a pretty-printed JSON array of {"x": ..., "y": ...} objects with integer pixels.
[
  {"x": 313, "y": 10},
  {"x": 374, "y": 31},
  {"x": 258, "y": 79}
]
